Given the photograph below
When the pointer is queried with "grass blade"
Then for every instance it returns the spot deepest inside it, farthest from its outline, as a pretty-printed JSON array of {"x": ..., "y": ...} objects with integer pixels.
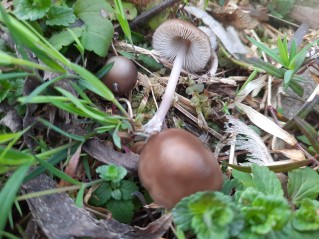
[
  {"x": 267, "y": 50},
  {"x": 60, "y": 131},
  {"x": 283, "y": 51},
  {"x": 57, "y": 172},
  {"x": 309, "y": 132},
  {"x": 8, "y": 193},
  {"x": 41, "y": 88}
]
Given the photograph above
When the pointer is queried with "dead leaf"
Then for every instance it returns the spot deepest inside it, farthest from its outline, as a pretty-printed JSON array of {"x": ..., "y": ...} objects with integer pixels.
[
  {"x": 266, "y": 124},
  {"x": 72, "y": 167},
  {"x": 235, "y": 17},
  {"x": 229, "y": 37},
  {"x": 12, "y": 120},
  {"x": 157, "y": 228},
  {"x": 104, "y": 152},
  {"x": 294, "y": 154}
]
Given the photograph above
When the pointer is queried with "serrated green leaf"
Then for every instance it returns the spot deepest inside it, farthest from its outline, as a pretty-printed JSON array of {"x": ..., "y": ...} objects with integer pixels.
[
  {"x": 98, "y": 34},
  {"x": 127, "y": 188},
  {"x": 111, "y": 172},
  {"x": 60, "y": 16},
  {"x": 229, "y": 185},
  {"x": 122, "y": 211},
  {"x": 244, "y": 178},
  {"x": 303, "y": 183},
  {"x": 31, "y": 10},
  {"x": 101, "y": 195},
  {"x": 64, "y": 38},
  {"x": 266, "y": 181},
  {"x": 116, "y": 194},
  {"x": 182, "y": 216},
  {"x": 306, "y": 217},
  {"x": 209, "y": 215},
  {"x": 263, "y": 213}
]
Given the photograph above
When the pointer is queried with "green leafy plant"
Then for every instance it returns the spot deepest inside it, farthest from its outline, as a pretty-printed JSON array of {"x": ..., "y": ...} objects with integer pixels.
[
  {"x": 290, "y": 58},
  {"x": 258, "y": 209},
  {"x": 98, "y": 33},
  {"x": 54, "y": 13},
  {"x": 115, "y": 193},
  {"x": 199, "y": 100}
]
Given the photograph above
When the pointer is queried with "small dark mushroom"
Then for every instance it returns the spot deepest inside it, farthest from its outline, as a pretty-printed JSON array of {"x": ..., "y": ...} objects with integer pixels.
[
  {"x": 122, "y": 77},
  {"x": 186, "y": 45},
  {"x": 174, "y": 164}
]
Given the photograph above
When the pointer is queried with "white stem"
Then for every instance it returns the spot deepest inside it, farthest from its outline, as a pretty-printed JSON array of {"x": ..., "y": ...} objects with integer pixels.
[{"x": 155, "y": 124}]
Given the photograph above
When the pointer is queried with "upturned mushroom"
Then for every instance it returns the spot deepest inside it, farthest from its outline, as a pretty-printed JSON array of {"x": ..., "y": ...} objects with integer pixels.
[
  {"x": 186, "y": 45},
  {"x": 174, "y": 164},
  {"x": 122, "y": 77}
]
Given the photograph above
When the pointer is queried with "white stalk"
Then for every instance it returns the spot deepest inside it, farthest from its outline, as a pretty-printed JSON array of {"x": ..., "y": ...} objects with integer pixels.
[{"x": 155, "y": 124}]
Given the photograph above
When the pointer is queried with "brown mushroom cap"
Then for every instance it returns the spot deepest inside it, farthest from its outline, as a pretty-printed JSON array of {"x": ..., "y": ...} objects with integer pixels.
[
  {"x": 174, "y": 164},
  {"x": 168, "y": 37},
  {"x": 123, "y": 75}
]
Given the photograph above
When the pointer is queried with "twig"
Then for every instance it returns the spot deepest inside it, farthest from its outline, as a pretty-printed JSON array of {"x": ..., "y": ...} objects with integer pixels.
[{"x": 143, "y": 17}]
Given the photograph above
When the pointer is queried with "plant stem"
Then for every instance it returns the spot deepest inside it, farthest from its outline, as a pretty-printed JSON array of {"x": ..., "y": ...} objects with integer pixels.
[{"x": 155, "y": 124}]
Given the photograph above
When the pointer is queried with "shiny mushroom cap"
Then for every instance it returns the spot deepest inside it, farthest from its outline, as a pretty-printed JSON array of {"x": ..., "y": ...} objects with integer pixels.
[
  {"x": 123, "y": 75},
  {"x": 169, "y": 36},
  {"x": 174, "y": 164}
]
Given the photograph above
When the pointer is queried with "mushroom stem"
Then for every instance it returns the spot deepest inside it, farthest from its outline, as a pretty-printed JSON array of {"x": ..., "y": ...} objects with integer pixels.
[{"x": 155, "y": 124}]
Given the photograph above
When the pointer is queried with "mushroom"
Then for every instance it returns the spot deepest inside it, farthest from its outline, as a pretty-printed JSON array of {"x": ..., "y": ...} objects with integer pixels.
[
  {"x": 186, "y": 45},
  {"x": 122, "y": 77},
  {"x": 174, "y": 164}
]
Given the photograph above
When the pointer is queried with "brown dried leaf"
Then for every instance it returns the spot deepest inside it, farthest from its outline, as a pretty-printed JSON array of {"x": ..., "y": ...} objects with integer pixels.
[
  {"x": 105, "y": 153},
  {"x": 294, "y": 154},
  {"x": 235, "y": 17},
  {"x": 157, "y": 228},
  {"x": 72, "y": 167}
]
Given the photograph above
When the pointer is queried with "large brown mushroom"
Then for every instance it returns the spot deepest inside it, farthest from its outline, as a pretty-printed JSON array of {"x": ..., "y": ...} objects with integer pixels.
[
  {"x": 186, "y": 45},
  {"x": 122, "y": 77},
  {"x": 174, "y": 164}
]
